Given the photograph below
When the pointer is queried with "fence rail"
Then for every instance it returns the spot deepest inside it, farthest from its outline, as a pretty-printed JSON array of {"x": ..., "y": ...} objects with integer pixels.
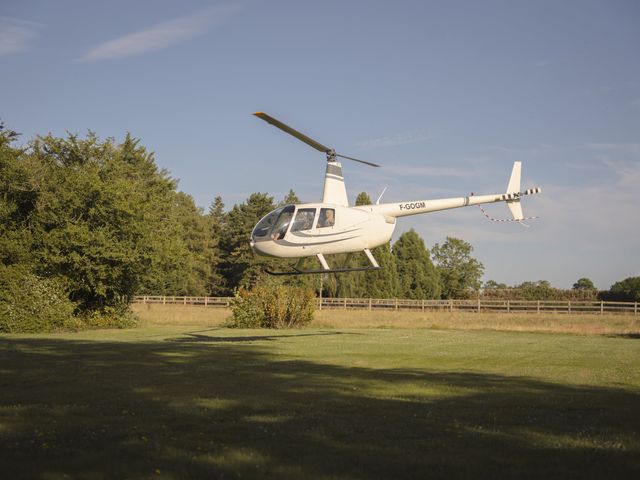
[{"x": 476, "y": 305}]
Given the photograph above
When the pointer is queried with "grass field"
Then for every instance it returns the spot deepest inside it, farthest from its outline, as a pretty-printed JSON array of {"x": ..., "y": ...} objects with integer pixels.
[
  {"x": 523, "y": 322},
  {"x": 190, "y": 399}
]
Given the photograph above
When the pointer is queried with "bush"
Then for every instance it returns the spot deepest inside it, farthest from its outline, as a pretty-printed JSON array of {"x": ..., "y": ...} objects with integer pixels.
[
  {"x": 29, "y": 303},
  {"x": 536, "y": 291},
  {"x": 119, "y": 316},
  {"x": 272, "y": 306}
]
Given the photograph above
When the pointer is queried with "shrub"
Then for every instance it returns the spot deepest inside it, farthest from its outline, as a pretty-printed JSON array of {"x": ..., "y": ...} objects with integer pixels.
[
  {"x": 29, "y": 303},
  {"x": 118, "y": 316},
  {"x": 272, "y": 306}
]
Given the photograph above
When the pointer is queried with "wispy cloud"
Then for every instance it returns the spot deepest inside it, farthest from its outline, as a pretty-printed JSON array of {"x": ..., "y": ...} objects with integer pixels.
[
  {"x": 162, "y": 35},
  {"x": 395, "y": 140},
  {"x": 16, "y": 35},
  {"x": 630, "y": 148}
]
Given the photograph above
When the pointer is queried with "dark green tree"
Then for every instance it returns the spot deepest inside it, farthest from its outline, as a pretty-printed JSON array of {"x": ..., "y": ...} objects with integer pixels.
[
  {"x": 240, "y": 266},
  {"x": 417, "y": 276},
  {"x": 196, "y": 234},
  {"x": 540, "y": 290},
  {"x": 217, "y": 220},
  {"x": 493, "y": 285},
  {"x": 627, "y": 290},
  {"x": 383, "y": 283},
  {"x": 584, "y": 284},
  {"x": 290, "y": 198},
  {"x": 363, "y": 198},
  {"x": 18, "y": 197},
  {"x": 459, "y": 271},
  {"x": 104, "y": 218}
]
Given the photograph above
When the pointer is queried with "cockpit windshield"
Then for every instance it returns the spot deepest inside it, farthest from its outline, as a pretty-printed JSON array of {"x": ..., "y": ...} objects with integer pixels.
[
  {"x": 280, "y": 228},
  {"x": 274, "y": 225},
  {"x": 264, "y": 226}
]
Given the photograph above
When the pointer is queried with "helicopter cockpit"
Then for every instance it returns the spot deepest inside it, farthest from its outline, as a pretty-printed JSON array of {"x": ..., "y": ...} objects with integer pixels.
[{"x": 275, "y": 225}]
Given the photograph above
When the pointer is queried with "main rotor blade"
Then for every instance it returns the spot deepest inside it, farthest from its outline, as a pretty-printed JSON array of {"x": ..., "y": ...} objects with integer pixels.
[
  {"x": 291, "y": 131},
  {"x": 356, "y": 160}
]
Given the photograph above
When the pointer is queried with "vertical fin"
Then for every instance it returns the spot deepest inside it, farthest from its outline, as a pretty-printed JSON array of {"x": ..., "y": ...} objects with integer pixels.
[
  {"x": 514, "y": 181},
  {"x": 334, "y": 190},
  {"x": 514, "y": 188}
]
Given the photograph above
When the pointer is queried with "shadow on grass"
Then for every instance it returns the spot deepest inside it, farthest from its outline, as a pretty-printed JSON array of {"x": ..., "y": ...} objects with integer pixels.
[
  {"x": 634, "y": 336},
  {"x": 195, "y": 337},
  {"x": 183, "y": 409}
]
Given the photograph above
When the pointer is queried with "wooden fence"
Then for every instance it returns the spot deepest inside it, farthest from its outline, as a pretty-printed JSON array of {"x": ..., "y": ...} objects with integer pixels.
[{"x": 476, "y": 305}]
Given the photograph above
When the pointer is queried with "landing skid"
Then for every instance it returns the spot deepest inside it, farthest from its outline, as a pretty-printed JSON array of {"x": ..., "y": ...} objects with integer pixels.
[
  {"x": 325, "y": 267},
  {"x": 297, "y": 271}
]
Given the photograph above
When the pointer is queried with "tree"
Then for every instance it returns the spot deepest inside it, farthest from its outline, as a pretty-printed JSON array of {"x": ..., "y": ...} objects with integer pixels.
[
  {"x": 196, "y": 234},
  {"x": 459, "y": 271},
  {"x": 240, "y": 266},
  {"x": 540, "y": 290},
  {"x": 104, "y": 219},
  {"x": 383, "y": 283},
  {"x": 626, "y": 290},
  {"x": 363, "y": 198},
  {"x": 584, "y": 284},
  {"x": 417, "y": 276},
  {"x": 290, "y": 198},
  {"x": 217, "y": 221},
  {"x": 493, "y": 285},
  {"x": 18, "y": 196}
]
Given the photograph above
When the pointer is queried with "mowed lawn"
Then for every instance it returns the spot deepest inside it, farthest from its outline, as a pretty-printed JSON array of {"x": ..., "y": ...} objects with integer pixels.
[{"x": 176, "y": 401}]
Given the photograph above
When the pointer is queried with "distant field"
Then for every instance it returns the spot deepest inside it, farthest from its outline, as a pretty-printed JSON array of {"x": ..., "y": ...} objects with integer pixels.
[
  {"x": 177, "y": 401},
  {"x": 531, "y": 322}
]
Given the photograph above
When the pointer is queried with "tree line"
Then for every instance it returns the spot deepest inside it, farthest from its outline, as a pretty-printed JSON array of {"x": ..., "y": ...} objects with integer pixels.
[{"x": 94, "y": 222}]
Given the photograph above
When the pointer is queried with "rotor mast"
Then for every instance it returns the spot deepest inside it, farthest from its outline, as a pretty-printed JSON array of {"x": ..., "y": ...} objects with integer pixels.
[{"x": 334, "y": 188}]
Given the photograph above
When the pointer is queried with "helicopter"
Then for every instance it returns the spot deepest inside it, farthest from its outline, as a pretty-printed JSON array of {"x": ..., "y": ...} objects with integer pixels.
[{"x": 332, "y": 226}]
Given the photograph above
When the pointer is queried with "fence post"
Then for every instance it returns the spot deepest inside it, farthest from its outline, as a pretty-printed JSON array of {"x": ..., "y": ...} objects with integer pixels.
[
  {"x": 369, "y": 303},
  {"x": 396, "y": 304},
  {"x": 569, "y": 306},
  {"x": 164, "y": 300},
  {"x": 635, "y": 308},
  {"x": 345, "y": 303},
  {"x": 423, "y": 305},
  {"x": 508, "y": 307},
  {"x": 184, "y": 300},
  {"x": 538, "y": 307},
  {"x": 601, "y": 307},
  {"x": 451, "y": 304},
  {"x": 205, "y": 301},
  {"x": 478, "y": 304}
]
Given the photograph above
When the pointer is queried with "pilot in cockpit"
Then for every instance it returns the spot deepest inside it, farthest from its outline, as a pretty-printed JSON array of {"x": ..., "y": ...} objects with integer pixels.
[{"x": 327, "y": 218}]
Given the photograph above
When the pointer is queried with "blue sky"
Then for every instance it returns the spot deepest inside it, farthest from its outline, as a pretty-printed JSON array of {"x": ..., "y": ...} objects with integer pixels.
[{"x": 445, "y": 95}]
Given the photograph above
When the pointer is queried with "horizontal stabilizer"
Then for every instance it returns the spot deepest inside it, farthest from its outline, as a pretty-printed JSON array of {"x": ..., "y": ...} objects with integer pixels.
[{"x": 516, "y": 210}]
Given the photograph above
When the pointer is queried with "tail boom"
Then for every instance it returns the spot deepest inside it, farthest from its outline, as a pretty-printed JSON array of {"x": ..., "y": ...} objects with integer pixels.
[{"x": 403, "y": 209}]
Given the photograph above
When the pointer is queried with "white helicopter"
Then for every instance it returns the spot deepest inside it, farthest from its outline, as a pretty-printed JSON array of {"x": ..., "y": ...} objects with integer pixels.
[{"x": 332, "y": 226}]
